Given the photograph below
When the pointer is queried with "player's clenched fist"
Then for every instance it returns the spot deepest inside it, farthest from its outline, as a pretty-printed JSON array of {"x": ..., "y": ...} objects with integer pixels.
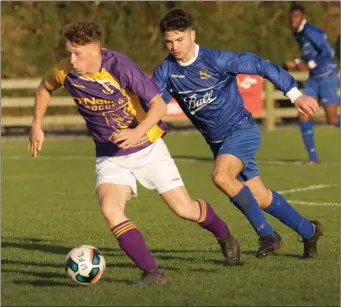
[
  {"x": 306, "y": 105},
  {"x": 36, "y": 140}
]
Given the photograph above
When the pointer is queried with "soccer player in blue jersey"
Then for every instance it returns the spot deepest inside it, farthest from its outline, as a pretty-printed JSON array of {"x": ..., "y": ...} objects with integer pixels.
[
  {"x": 122, "y": 110},
  {"x": 323, "y": 81},
  {"x": 203, "y": 81}
]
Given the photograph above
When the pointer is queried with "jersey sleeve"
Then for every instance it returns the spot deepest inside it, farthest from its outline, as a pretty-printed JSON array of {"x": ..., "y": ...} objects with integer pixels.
[
  {"x": 159, "y": 78},
  {"x": 320, "y": 40},
  {"x": 249, "y": 63},
  {"x": 132, "y": 78},
  {"x": 55, "y": 76}
]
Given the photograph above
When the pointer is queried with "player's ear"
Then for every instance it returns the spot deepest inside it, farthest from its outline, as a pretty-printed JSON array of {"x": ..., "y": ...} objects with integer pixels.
[
  {"x": 98, "y": 45},
  {"x": 193, "y": 35}
]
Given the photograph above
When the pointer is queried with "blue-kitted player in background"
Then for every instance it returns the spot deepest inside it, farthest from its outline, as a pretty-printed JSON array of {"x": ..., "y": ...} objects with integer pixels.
[
  {"x": 203, "y": 81},
  {"x": 323, "y": 81}
]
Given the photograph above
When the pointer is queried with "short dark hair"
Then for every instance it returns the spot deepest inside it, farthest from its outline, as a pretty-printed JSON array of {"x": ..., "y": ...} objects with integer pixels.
[
  {"x": 82, "y": 32},
  {"x": 176, "y": 20},
  {"x": 297, "y": 7}
]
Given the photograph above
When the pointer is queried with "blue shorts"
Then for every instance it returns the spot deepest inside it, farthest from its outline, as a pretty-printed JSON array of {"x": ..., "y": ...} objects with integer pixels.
[
  {"x": 324, "y": 88},
  {"x": 243, "y": 143}
]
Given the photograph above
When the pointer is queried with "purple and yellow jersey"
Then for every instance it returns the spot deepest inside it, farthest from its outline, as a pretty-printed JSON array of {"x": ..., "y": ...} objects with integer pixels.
[{"x": 111, "y": 100}]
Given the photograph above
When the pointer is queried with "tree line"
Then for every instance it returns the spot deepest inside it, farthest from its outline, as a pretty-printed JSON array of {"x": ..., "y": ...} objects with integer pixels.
[{"x": 32, "y": 31}]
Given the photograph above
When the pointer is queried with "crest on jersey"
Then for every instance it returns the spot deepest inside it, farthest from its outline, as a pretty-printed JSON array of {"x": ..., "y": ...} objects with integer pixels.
[
  {"x": 107, "y": 89},
  {"x": 204, "y": 74}
]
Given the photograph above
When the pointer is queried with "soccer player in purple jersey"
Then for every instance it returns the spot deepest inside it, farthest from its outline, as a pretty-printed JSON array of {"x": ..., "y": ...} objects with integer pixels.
[
  {"x": 122, "y": 110},
  {"x": 203, "y": 81}
]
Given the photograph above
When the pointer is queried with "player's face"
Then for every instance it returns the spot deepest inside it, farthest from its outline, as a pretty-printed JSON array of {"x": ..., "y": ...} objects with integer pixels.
[
  {"x": 296, "y": 18},
  {"x": 181, "y": 44},
  {"x": 84, "y": 59}
]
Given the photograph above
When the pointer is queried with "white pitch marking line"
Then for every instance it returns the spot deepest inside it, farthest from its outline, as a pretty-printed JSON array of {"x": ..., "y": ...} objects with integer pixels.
[
  {"x": 309, "y": 203},
  {"x": 311, "y": 187},
  {"x": 45, "y": 157},
  {"x": 297, "y": 202},
  {"x": 72, "y": 157}
]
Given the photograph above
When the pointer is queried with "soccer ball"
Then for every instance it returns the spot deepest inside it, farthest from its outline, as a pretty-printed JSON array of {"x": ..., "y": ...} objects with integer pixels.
[{"x": 85, "y": 264}]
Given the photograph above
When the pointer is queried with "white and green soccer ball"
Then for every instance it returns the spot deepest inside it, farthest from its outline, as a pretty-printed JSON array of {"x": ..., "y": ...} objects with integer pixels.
[{"x": 85, "y": 264}]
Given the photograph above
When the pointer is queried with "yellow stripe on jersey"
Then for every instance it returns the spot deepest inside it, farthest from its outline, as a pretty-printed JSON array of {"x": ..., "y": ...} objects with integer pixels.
[
  {"x": 54, "y": 78},
  {"x": 154, "y": 133},
  {"x": 134, "y": 103}
]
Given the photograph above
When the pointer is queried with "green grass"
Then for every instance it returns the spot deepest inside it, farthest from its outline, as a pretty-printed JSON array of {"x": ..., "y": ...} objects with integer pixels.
[{"x": 49, "y": 206}]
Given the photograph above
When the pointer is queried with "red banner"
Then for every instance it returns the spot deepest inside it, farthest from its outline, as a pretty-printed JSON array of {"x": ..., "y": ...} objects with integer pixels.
[{"x": 250, "y": 87}]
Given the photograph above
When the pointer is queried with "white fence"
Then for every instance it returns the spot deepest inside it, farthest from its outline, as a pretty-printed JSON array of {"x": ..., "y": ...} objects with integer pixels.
[{"x": 270, "y": 114}]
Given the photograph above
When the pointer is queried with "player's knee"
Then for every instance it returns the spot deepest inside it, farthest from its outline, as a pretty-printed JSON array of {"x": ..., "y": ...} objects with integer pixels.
[
  {"x": 110, "y": 209},
  {"x": 221, "y": 179},
  {"x": 332, "y": 120},
  {"x": 186, "y": 210},
  {"x": 263, "y": 198}
]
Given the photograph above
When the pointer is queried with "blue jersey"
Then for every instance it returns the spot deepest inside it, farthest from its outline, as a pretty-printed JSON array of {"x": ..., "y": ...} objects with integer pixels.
[
  {"x": 316, "y": 51},
  {"x": 206, "y": 88}
]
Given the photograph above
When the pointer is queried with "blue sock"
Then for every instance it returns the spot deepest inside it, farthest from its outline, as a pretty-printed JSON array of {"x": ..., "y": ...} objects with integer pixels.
[
  {"x": 308, "y": 138},
  {"x": 338, "y": 123},
  {"x": 248, "y": 205},
  {"x": 280, "y": 209}
]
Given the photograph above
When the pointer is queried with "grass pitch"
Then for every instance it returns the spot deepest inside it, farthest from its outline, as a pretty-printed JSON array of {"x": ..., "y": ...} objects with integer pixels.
[{"x": 49, "y": 206}]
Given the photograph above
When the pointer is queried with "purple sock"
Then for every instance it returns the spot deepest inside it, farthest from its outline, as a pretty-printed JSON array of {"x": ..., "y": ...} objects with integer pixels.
[
  {"x": 132, "y": 243},
  {"x": 210, "y": 221}
]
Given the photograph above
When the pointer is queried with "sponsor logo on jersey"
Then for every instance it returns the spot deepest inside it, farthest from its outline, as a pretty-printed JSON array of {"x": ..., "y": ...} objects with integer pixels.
[
  {"x": 195, "y": 104},
  {"x": 95, "y": 104}
]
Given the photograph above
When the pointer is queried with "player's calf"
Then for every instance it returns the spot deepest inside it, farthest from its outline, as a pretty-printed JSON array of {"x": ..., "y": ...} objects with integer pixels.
[
  {"x": 209, "y": 220},
  {"x": 333, "y": 121},
  {"x": 283, "y": 211},
  {"x": 201, "y": 212}
]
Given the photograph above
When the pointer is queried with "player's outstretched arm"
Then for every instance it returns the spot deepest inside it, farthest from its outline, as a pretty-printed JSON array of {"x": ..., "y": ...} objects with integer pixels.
[
  {"x": 130, "y": 137},
  {"x": 157, "y": 109},
  {"x": 36, "y": 138},
  {"x": 306, "y": 105},
  {"x": 249, "y": 63}
]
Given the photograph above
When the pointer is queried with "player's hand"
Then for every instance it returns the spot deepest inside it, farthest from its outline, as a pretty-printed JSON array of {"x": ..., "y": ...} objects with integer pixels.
[
  {"x": 36, "y": 140},
  {"x": 127, "y": 138},
  {"x": 290, "y": 65},
  {"x": 302, "y": 67},
  {"x": 306, "y": 105}
]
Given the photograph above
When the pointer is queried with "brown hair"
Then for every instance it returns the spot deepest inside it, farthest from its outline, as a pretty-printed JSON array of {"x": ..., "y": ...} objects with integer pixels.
[
  {"x": 82, "y": 32},
  {"x": 176, "y": 20}
]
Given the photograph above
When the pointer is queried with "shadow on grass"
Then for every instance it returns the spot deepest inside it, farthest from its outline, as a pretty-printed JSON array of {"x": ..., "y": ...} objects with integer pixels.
[
  {"x": 35, "y": 244},
  {"x": 48, "y": 279},
  {"x": 276, "y": 254},
  {"x": 44, "y": 283}
]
